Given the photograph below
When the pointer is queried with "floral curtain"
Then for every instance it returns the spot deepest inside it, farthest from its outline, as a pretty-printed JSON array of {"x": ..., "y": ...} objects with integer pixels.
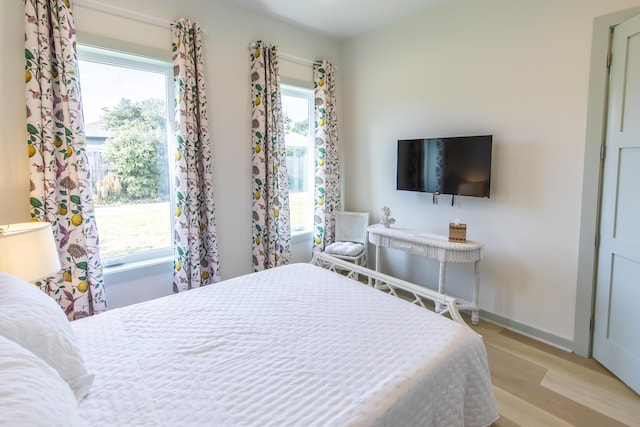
[
  {"x": 59, "y": 170},
  {"x": 271, "y": 222},
  {"x": 195, "y": 244},
  {"x": 327, "y": 170}
]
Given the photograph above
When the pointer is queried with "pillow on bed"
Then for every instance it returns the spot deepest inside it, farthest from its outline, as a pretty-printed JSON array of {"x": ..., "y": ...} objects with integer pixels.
[
  {"x": 31, "y": 392},
  {"x": 34, "y": 320}
]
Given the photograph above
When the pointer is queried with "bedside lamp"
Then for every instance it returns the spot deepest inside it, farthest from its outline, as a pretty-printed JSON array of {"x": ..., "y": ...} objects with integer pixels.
[{"x": 28, "y": 251}]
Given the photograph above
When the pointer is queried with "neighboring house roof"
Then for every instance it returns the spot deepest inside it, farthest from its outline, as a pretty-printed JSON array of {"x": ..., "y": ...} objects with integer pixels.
[{"x": 96, "y": 130}]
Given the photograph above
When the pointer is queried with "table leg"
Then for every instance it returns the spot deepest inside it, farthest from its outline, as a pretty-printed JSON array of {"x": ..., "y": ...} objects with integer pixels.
[
  {"x": 441, "y": 282},
  {"x": 475, "y": 313},
  {"x": 376, "y": 282}
]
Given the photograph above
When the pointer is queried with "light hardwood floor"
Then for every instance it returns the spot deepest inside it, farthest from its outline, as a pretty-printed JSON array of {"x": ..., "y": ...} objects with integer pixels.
[{"x": 539, "y": 385}]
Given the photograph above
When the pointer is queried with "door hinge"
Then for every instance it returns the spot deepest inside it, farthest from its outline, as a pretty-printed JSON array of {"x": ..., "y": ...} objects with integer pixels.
[
  {"x": 592, "y": 321},
  {"x": 609, "y": 60},
  {"x": 603, "y": 151},
  {"x": 597, "y": 241}
]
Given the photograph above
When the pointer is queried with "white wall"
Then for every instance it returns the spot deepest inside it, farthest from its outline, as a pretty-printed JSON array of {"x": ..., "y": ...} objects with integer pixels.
[
  {"x": 14, "y": 172},
  {"x": 229, "y": 30},
  {"x": 517, "y": 70}
]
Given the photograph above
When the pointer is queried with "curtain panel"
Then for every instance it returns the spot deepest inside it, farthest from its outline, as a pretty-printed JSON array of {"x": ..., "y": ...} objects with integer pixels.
[
  {"x": 327, "y": 169},
  {"x": 195, "y": 243},
  {"x": 58, "y": 165},
  {"x": 270, "y": 217}
]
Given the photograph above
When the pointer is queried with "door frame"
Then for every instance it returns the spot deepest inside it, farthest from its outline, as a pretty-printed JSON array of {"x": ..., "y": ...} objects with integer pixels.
[{"x": 592, "y": 178}]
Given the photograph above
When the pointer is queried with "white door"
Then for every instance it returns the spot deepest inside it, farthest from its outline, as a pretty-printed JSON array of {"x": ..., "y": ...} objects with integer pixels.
[{"x": 616, "y": 341}]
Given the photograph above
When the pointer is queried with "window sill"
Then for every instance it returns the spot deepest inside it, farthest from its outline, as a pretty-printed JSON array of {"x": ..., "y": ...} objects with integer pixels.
[
  {"x": 140, "y": 268},
  {"x": 138, "y": 281},
  {"x": 301, "y": 236}
]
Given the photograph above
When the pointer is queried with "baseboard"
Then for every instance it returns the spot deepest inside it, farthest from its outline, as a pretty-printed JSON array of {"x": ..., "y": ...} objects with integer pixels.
[{"x": 528, "y": 331}]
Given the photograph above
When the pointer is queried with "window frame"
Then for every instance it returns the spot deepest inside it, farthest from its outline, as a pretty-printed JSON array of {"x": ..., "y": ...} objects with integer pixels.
[
  {"x": 134, "y": 60},
  {"x": 299, "y": 91}
]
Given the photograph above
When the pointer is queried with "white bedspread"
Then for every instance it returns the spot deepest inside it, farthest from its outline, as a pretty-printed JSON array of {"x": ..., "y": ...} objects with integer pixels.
[{"x": 292, "y": 346}]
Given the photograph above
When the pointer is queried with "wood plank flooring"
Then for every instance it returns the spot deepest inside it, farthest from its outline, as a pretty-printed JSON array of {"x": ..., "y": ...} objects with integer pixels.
[{"x": 539, "y": 385}]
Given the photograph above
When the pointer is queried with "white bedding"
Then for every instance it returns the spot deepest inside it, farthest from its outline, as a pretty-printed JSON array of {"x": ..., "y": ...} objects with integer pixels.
[{"x": 296, "y": 345}]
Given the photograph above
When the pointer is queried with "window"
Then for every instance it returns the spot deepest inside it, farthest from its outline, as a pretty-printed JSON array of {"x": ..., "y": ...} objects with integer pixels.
[
  {"x": 298, "y": 111},
  {"x": 126, "y": 111}
]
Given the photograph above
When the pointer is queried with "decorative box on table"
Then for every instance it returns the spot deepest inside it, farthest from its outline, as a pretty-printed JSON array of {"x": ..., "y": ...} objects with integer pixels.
[{"x": 457, "y": 232}]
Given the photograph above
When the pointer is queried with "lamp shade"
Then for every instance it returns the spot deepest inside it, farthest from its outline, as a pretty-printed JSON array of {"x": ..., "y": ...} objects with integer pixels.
[{"x": 28, "y": 250}]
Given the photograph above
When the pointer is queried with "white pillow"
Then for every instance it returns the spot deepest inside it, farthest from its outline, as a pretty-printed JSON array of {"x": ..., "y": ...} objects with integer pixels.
[
  {"x": 34, "y": 320},
  {"x": 31, "y": 392},
  {"x": 345, "y": 248}
]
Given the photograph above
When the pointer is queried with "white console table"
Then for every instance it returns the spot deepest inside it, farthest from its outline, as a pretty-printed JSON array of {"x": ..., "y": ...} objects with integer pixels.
[{"x": 436, "y": 247}]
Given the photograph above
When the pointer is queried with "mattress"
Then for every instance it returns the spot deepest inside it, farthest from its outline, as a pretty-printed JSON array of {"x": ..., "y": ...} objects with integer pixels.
[{"x": 291, "y": 346}]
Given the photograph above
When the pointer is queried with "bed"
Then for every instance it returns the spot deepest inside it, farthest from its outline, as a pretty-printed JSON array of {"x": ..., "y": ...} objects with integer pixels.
[{"x": 298, "y": 345}]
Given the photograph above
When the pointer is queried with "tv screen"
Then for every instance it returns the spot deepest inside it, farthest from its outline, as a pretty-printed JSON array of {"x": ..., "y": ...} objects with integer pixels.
[{"x": 453, "y": 165}]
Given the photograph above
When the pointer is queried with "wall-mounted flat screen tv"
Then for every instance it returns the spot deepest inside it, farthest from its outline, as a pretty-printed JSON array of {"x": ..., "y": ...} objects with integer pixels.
[{"x": 452, "y": 165}]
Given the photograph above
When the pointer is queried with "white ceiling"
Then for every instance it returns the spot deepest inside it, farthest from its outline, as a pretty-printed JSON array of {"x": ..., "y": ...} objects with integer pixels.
[{"x": 339, "y": 19}]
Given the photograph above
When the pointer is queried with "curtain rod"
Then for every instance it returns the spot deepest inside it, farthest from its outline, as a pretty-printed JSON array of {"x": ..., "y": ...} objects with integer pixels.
[
  {"x": 122, "y": 12},
  {"x": 292, "y": 58}
]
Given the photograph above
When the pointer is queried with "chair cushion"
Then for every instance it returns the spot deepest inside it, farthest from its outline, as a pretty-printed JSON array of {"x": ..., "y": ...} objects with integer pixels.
[{"x": 345, "y": 248}]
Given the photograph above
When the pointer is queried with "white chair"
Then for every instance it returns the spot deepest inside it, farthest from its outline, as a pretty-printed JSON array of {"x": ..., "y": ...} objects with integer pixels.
[{"x": 351, "y": 237}]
